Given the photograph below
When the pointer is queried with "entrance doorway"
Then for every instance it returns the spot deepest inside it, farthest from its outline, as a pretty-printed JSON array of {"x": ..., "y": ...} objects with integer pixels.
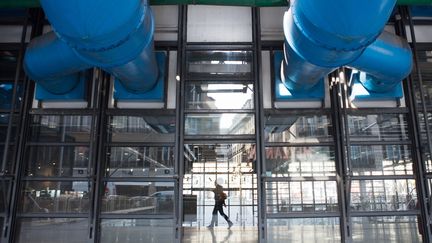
[{"x": 231, "y": 166}]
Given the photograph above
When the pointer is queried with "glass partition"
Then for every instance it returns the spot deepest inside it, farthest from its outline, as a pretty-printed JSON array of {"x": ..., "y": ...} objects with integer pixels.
[
  {"x": 138, "y": 198},
  {"x": 300, "y": 161},
  {"x": 219, "y": 65},
  {"x": 55, "y": 128},
  {"x": 220, "y": 124},
  {"x": 59, "y": 230},
  {"x": 140, "y": 162},
  {"x": 58, "y": 161},
  {"x": 219, "y": 95},
  {"x": 153, "y": 129},
  {"x": 48, "y": 197}
]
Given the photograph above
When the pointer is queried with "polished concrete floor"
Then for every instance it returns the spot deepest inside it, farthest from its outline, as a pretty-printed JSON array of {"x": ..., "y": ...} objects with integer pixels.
[
  {"x": 220, "y": 234},
  {"x": 162, "y": 231}
]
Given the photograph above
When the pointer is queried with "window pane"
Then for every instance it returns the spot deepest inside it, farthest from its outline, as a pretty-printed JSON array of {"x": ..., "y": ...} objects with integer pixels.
[
  {"x": 219, "y": 158},
  {"x": 138, "y": 198},
  {"x": 1, "y": 225},
  {"x": 10, "y": 160},
  {"x": 59, "y": 230},
  {"x": 6, "y": 95},
  {"x": 55, "y": 197},
  {"x": 219, "y": 65},
  {"x": 142, "y": 129},
  {"x": 140, "y": 162},
  {"x": 300, "y": 161},
  {"x": 61, "y": 161},
  {"x": 219, "y": 96},
  {"x": 4, "y": 194},
  {"x": 60, "y": 128},
  {"x": 305, "y": 196},
  {"x": 381, "y": 160},
  {"x": 305, "y": 230},
  {"x": 137, "y": 230},
  {"x": 8, "y": 64},
  {"x": 220, "y": 124},
  {"x": 298, "y": 129},
  {"x": 383, "y": 195},
  {"x": 4, "y": 121},
  {"x": 386, "y": 229},
  {"x": 380, "y": 127}
]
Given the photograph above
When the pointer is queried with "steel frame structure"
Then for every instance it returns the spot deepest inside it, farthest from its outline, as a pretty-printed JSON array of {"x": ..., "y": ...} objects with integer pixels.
[{"x": 11, "y": 183}]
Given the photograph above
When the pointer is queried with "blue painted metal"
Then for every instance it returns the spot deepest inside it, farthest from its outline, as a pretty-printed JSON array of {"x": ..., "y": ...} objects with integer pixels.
[
  {"x": 421, "y": 11},
  {"x": 54, "y": 65},
  {"x": 386, "y": 61},
  {"x": 114, "y": 35},
  {"x": 156, "y": 94},
  {"x": 359, "y": 92},
  {"x": 282, "y": 93},
  {"x": 77, "y": 93},
  {"x": 316, "y": 42}
]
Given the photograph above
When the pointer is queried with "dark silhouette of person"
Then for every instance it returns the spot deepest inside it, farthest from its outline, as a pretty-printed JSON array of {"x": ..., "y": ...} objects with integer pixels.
[{"x": 219, "y": 197}]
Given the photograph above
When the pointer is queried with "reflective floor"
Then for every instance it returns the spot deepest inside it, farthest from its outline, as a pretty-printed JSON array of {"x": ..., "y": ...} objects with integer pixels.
[
  {"x": 365, "y": 230},
  {"x": 220, "y": 234}
]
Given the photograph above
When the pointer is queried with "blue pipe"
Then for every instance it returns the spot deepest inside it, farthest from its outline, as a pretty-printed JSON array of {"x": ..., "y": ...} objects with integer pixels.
[
  {"x": 53, "y": 64},
  {"x": 316, "y": 42},
  {"x": 114, "y": 35},
  {"x": 386, "y": 61}
]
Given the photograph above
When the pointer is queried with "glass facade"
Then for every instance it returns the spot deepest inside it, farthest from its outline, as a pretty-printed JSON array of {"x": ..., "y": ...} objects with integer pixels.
[{"x": 115, "y": 173}]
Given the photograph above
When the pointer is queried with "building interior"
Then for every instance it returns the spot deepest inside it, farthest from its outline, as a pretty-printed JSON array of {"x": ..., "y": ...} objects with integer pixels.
[{"x": 120, "y": 119}]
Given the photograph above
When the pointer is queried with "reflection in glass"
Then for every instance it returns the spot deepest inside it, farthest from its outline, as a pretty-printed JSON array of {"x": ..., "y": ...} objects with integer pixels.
[
  {"x": 137, "y": 230},
  {"x": 298, "y": 129},
  {"x": 230, "y": 165},
  {"x": 55, "y": 197},
  {"x": 142, "y": 129},
  {"x": 301, "y": 196},
  {"x": 8, "y": 64},
  {"x": 219, "y": 96},
  {"x": 219, "y": 64},
  {"x": 300, "y": 161},
  {"x": 4, "y": 194},
  {"x": 380, "y": 127},
  {"x": 386, "y": 229},
  {"x": 1, "y": 225},
  {"x": 138, "y": 198},
  {"x": 220, "y": 158},
  {"x": 4, "y": 121},
  {"x": 50, "y": 128},
  {"x": 6, "y": 95},
  {"x": 381, "y": 160},
  {"x": 220, "y": 124},
  {"x": 383, "y": 195},
  {"x": 66, "y": 161},
  {"x": 324, "y": 230},
  {"x": 10, "y": 160},
  {"x": 59, "y": 230},
  {"x": 140, "y": 162}
]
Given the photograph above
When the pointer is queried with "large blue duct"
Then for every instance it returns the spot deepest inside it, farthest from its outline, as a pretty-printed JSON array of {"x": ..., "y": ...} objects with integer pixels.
[
  {"x": 114, "y": 35},
  {"x": 321, "y": 36}
]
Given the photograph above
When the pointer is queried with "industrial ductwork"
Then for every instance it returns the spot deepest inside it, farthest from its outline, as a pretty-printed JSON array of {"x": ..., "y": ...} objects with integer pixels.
[
  {"x": 316, "y": 43},
  {"x": 114, "y": 35}
]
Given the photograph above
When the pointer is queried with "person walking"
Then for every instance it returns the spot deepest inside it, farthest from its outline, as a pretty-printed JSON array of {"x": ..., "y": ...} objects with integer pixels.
[{"x": 219, "y": 197}]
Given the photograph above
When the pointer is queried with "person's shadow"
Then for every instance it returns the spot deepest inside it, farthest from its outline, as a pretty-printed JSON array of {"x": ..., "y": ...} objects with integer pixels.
[{"x": 214, "y": 236}]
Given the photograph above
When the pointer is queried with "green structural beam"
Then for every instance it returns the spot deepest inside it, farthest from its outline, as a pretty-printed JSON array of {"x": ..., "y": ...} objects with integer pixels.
[{"x": 254, "y": 3}]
